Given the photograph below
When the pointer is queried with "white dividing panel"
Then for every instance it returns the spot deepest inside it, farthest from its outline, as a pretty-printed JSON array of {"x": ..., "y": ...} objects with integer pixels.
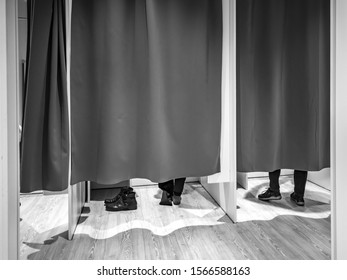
[
  {"x": 145, "y": 182},
  {"x": 222, "y": 186},
  {"x": 96, "y": 186},
  {"x": 77, "y": 198},
  {"x": 77, "y": 193},
  {"x": 243, "y": 177},
  {"x": 339, "y": 128},
  {"x": 284, "y": 172},
  {"x": 320, "y": 178},
  {"x": 88, "y": 190},
  {"x": 9, "y": 136},
  {"x": 136, "y": 182},
  {"x": 3, "y": 136}
]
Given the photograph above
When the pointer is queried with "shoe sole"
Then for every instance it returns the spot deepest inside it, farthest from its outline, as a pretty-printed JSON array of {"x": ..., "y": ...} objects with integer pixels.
[
  {"x": 111, "y": 202},
  {"x": 115, "y": 209},
  {"x": 298, "y": 203},
  {"x": 176, "y": 201},
  {"x": 271, "y": 198},
  {"x": 165, "y": 203}
]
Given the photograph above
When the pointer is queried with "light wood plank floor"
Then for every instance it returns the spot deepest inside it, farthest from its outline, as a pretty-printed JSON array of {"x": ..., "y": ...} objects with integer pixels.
[
  {"x": 197, "y": 229},
  {"x": 317, "y": 201},
  {"x": 42, "y": 217}
]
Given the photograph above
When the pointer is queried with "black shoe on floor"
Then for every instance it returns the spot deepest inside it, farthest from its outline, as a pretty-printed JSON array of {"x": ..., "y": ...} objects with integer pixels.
[
  {"x": 298, "y": 199},
  {"x": 270, "y": 195},
  {"x": 176, "y": 199},
  {"x": 126, "y": 197},
  {"x": 123, "y": 191},
  {"x": 166, "y": 199},
  {"x": 130, "y": 195},
  {"x": 122, "y": 204}
]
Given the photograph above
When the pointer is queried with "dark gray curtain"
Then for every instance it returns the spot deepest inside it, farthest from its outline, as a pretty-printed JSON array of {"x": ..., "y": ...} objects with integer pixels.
[
  {"x": 283, "y": 87},
  {"x": 44, "y": 160},
  {"x": 145, "y": 89}
]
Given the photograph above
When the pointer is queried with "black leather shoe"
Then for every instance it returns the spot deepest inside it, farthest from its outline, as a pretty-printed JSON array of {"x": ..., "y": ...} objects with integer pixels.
[
  {"x": 166, "y": 199},
  {"x": 128, "y": 197},
  {"x": 270, "y": 195},
  {"x": 123, "y": 191},
  {"x": 122, "y": 204},
  {"x": 298, "y": 199}
]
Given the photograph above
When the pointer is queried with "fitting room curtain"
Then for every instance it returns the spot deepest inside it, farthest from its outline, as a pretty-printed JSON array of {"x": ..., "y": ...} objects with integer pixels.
[
  {"x": 44, "y": 162},
  {"x": 283, "y": 86},
  {"x": 145, "y": 89}
]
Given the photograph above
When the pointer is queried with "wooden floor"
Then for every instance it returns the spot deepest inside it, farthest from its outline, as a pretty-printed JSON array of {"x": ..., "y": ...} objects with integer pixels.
[
  {"x": 197, "y": 229},
  {"x": 42, "y": 218},
  {"x": 317, "y": 201}
]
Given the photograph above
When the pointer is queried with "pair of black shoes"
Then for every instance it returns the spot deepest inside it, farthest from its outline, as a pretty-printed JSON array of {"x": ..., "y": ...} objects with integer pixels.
[
  {"x": 275, "y": 195},
  {"x": 167, "y": 199},
  {"x": 125, "y": 200}
]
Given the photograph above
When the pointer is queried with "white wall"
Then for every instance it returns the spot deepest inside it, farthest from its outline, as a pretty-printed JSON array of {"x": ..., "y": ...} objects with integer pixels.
[
  {"x": 243, "y": 177},
  {"x": 339, "y": 128},
  {"x": 320, "y": 178},
  {"x": 9, "y": 160},
  {"x": 3, "y": 135},
  {"x": 145, "y": 182}
]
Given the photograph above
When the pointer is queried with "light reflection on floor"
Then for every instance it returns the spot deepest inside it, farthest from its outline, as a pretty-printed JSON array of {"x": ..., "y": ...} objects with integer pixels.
[
  {"x": 197, "y": 209},
  {"x": 317, "y": 201},
  {"x": 197, "y": 229}
]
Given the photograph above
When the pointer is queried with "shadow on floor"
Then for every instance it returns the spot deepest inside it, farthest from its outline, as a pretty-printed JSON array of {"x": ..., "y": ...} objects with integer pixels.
[
  {"x": 284, "y": 237},
  {"x": 312, "y": 205}
]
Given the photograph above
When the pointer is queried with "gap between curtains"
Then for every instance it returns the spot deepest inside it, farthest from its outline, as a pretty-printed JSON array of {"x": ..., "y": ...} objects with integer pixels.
[
  {"x": 283, "y": 85},
  {"x": 145, "y": 89}
]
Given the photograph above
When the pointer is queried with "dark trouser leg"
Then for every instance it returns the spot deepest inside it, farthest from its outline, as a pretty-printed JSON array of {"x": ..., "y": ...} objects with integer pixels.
[
  {"x": 274, "y": 180},
  {"x": 179, "y": 185},
  {"x": 300, "y": 178},
  {"x": 167, "y": 186}
]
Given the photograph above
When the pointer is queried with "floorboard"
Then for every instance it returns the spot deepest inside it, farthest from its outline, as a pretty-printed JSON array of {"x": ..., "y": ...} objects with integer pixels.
[{"x": 197, "y": 229}]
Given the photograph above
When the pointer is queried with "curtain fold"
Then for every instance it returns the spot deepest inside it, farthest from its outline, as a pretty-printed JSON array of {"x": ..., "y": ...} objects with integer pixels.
[
  {"x": 145, "y": 89},
  {"x": 283, "y": 85},
  {"x": 45, "y": 147}
]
